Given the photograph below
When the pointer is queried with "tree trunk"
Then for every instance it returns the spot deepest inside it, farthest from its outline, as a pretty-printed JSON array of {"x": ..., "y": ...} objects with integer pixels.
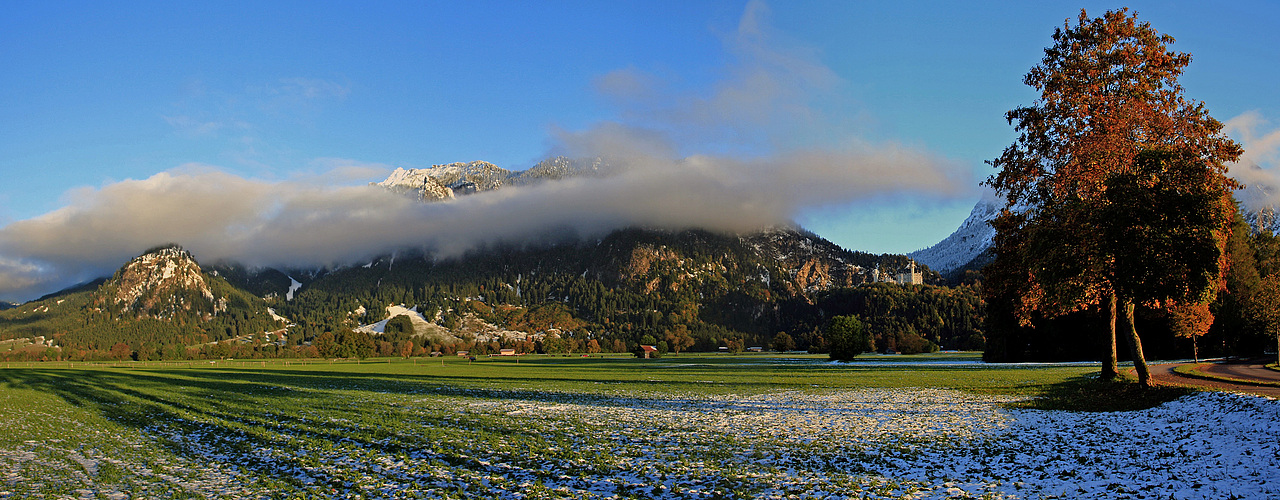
[
  {"x": 1135, "y": 346},
  {"x": 1110, "y": 364}
]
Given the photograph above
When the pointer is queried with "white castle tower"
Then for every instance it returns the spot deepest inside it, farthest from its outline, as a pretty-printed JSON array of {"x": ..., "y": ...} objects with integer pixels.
[{"x": 911, "y": 277}]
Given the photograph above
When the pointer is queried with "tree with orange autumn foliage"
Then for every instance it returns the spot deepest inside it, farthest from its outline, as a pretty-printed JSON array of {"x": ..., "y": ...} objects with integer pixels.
[
  {"x": 1192, "y": 321},
  {"x": 1109, "y": 93},
  {"x": 679, "y": 339}
]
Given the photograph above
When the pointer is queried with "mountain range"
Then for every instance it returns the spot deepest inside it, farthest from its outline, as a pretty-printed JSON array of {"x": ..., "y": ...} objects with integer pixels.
[
  {"x": 703, "y": 286},
  {"x": 446, "y": 182}
]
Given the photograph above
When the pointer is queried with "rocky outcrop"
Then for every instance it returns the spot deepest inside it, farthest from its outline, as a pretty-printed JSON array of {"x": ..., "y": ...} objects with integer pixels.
[
  {"x": 448, "y": 181},
  {"x": 445, "y": 182},
  {"x": 813, "y": 264}
]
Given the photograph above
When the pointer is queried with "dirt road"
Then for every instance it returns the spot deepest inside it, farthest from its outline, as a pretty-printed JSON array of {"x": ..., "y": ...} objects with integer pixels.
[{"x": 1249, "y": 370}]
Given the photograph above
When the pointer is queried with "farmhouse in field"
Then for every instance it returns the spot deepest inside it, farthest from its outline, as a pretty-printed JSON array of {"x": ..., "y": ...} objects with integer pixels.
[
  {"x": 506, "y": 352},
  {"x": 645, "y": 350}
]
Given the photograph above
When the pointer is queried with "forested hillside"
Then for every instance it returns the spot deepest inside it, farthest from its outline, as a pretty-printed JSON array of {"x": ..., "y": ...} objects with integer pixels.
[
  {"x": 630, "y": 284},
  {"x": 688, "y": 290}
]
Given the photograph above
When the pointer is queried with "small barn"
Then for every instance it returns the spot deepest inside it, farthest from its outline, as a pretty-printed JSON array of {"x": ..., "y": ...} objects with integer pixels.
[{"x": 648, "y": 351}]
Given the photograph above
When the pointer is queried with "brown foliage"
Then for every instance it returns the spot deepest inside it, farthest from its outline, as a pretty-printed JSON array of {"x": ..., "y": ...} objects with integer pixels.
[
  {"x": 1109, "y": 90},
  {"x": 1109, "y": 93},
  {"x": 1189, "y": 320}
]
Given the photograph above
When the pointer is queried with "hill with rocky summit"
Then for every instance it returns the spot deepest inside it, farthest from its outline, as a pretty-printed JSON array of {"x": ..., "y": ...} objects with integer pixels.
[
  {"x": 159, "y": 300},
  {"x": 161, "y": 283}
]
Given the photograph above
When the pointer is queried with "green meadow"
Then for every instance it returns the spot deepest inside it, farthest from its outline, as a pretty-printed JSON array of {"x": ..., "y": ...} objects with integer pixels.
[{"x": 688, "y": 426}]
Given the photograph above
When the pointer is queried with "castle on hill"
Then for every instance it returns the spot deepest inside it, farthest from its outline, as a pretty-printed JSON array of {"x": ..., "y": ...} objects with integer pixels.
[{"x": 910, "y": 277}]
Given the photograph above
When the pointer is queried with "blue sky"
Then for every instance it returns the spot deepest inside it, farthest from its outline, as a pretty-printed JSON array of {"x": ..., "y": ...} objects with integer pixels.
[{"x": 96, "y": 94}]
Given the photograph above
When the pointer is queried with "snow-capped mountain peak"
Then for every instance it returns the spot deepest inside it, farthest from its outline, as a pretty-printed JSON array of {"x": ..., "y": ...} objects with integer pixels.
[
  {"x": 444, "y": 182},
  {"x": 448, "y": 181},
  {"x": 970, "y": 240}
]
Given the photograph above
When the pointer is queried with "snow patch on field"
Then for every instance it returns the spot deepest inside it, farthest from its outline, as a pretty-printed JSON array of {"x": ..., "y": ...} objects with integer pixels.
[
  {"x": 874, "y": 443},
  {"x": 931, "y": 443},
  {"x": 89, "y": 458}
]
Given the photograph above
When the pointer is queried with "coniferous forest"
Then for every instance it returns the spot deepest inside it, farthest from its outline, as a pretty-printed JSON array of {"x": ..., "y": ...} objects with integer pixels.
[{"x": 688, "y": 291}]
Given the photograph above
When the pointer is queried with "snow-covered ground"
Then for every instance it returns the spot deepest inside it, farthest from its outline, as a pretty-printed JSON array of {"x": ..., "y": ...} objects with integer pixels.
[
  {"x": 1208, "y": 445},
  {"x": 933, "y": 443},
  {"x": 873, "y": 443}
]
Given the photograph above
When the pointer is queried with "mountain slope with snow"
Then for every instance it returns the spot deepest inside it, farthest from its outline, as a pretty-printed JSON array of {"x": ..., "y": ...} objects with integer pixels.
[
  {"x": 448, "y": 181},
  {"x": 969, "y": 241},
  {"x": 443, "y": 182},
  {"x": 1263, "y": 219}
]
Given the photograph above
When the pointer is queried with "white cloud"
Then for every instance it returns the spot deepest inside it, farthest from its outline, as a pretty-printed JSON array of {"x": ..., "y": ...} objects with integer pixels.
[
  {"x": 312, "y": 88},
  {"x": 1259, "y": 166}
]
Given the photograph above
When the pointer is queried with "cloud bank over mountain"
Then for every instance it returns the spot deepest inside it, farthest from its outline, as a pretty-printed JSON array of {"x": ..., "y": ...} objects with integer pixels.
[
  {"x": 217, "y": 215},
  {"x": 752, "y": 149}
]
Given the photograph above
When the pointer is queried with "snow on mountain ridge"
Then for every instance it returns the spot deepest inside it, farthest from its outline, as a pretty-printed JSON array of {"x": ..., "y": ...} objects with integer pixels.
[
  {"x": 448, "y": 181},
  {"x": 444, "y": 182},
  {"x": 970, "y": 240},
  {"x": 418, "y": 181}
]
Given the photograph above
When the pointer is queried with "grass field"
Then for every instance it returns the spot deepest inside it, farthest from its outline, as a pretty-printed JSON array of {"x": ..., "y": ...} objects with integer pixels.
[{"x": 710, "y": 426}]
